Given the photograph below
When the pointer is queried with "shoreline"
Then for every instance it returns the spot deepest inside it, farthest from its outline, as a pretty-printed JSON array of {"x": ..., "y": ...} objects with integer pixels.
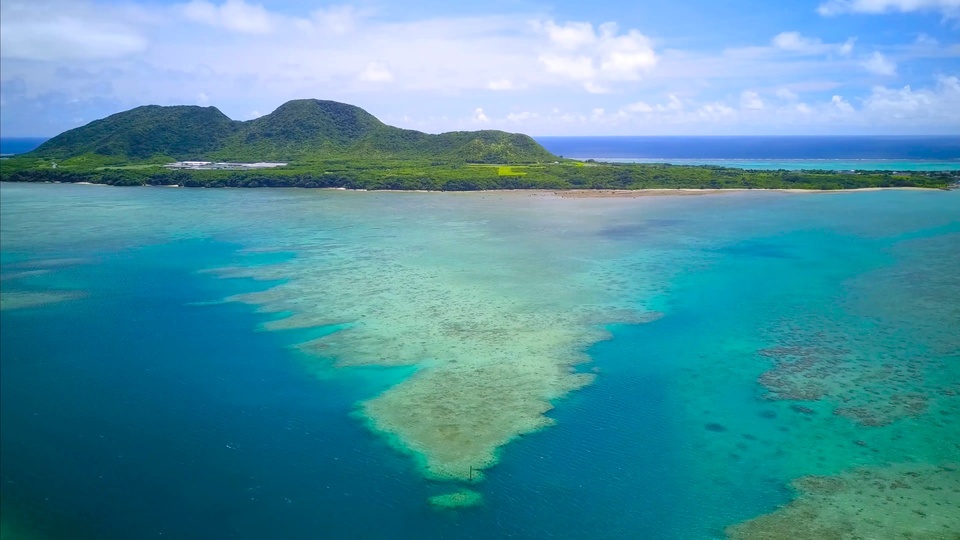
[
  {"x": 558, "y": 193},
  {"x": 655, "y": 192}
]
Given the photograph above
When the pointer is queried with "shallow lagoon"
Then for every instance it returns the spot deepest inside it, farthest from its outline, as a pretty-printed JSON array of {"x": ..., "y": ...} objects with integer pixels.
[{"x": 233, "y": 363}]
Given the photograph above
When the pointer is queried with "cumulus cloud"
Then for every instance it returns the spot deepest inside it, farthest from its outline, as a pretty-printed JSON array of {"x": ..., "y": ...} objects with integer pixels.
[
  {"x": 894, "y": 105},
  {"x": 89, "y": 58},
  {"x": 376, "y": 72},
  {"x": 887, "y": 107},
  {"x": 65, "y": 31},
  {"x": 480, "y": 116},
  {"x": 841, "y": 105},
  {"x": 750, "y": 101},
  {"x": 878, "y": 64},
  {"x": 949, "y": 8},
  {"x": 572, "y": 35},
  {"x": 596, "y": 57},
  {"x": 236, "y": 15}
]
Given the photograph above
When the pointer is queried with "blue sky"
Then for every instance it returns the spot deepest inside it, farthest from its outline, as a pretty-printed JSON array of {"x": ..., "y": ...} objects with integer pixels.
[{"x": 682, "y": 67}]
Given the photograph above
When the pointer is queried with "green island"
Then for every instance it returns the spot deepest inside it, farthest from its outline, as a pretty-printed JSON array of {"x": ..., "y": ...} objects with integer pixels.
[{"x": 325, "y": 144}]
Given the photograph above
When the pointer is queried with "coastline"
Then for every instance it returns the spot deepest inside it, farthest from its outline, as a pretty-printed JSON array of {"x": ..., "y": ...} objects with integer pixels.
[
  {"x": 560, "y": 193},
  {"x": 659, "y": 192}
]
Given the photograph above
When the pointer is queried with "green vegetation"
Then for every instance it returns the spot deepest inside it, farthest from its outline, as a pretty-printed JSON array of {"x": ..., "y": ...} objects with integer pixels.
[
  {"x": 425, "y": 175},
  {"x": 329, "y": 144},
  {"x": 306, "y": 129}
]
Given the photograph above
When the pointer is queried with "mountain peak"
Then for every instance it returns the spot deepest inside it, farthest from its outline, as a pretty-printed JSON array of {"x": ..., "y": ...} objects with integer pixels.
[{"x": 299, "y": 129}]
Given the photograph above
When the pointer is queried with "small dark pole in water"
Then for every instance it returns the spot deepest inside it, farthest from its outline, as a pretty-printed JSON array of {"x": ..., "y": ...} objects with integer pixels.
[{"x": 471, "y": 473}]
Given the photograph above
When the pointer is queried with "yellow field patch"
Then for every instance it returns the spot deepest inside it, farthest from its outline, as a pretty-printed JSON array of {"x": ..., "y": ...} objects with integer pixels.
[{"x": 510, "y": 171}]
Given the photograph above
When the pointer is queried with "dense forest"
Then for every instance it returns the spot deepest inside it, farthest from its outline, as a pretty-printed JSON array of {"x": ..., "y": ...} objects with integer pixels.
[
  {"x": 407, "y": 175},
  {"x": 305, "y": 129},
  {"x": 330, "y": 144}
]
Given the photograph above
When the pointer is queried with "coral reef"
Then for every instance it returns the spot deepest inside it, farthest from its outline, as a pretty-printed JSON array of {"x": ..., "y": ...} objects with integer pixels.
[
  {"x": 458, "y": 499},
  {"x": 907, "y": 501}
]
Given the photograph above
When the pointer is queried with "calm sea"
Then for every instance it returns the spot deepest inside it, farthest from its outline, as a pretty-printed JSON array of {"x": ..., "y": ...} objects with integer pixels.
[
  {"x": 139, "y": 404},
  {"x": 19, "y": 145},
  {"x": 792, "y": 153}
]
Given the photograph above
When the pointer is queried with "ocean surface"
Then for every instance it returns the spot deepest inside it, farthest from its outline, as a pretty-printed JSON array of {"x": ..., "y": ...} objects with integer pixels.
[
  {"x": 769, "y": 153},
  {"x": 19, "y": 145},
  {"x": 192, "y": 363}
]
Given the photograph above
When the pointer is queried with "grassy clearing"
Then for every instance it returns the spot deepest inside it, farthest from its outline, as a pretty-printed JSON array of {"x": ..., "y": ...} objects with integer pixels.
[{"x": 511, "y": 171}]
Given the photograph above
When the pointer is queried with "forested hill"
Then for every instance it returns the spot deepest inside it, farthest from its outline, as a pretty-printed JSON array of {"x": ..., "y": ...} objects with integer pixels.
[{"x": 303, "y": 129}]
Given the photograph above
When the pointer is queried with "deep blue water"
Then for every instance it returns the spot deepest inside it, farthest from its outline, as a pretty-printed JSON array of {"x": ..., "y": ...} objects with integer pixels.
[
  {"x": 179, "y": 419},
  {"x": 755, "y": 147},
  {"x": 20, "y": 145}
]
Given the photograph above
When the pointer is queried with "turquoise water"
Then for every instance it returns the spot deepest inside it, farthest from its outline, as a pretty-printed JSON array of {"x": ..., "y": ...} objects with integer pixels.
[
  {"x": 137, "y": 402},
  {"x": 805, "y": 164}
]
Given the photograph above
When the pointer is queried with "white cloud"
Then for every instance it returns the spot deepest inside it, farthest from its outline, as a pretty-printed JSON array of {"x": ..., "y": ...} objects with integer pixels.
[
  {"x": 751, "y": 101},
  {"x": 841, "y": 105},
  {"x": 100, "y": 57},
  {"x": 795, "y": 42},
  {"x": 572, "y": 35},
  {"x": 336, "y": 20},
  {"x": 847, "y": 47},
  {"x": 883, "y": 108},
  {"x": 786, "y": 94},
  {"x": 878, "y": 64},
  {"x": 480, "y": 116},
  {"x": 522, "y": 116},
  {"x": 501, "y": 84},
  {"x": 638, "y": 107},
  {"x": 716, "y": 111},
  {"x": 673, "y": 104},
  {"x": 376, "y": 72},
  {"x": 595, "y": 88},
  {"x": 597, "y": 57},
  {"x": 949, "y": 8},
  {"x": 941, "y": 103},
  {"x": 571, "y": 67},
  {"x": 236, "y": 15},
  {"x": 624, "y": 57},
  {"x": 53, "y": 31}
]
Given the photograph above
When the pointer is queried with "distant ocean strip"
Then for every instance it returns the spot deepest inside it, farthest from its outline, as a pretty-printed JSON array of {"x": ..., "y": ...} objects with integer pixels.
[
  {"x": 914, "y": 153},
  {"x": 18, "y": 145},
  {"x": 800, "y": 164}
]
